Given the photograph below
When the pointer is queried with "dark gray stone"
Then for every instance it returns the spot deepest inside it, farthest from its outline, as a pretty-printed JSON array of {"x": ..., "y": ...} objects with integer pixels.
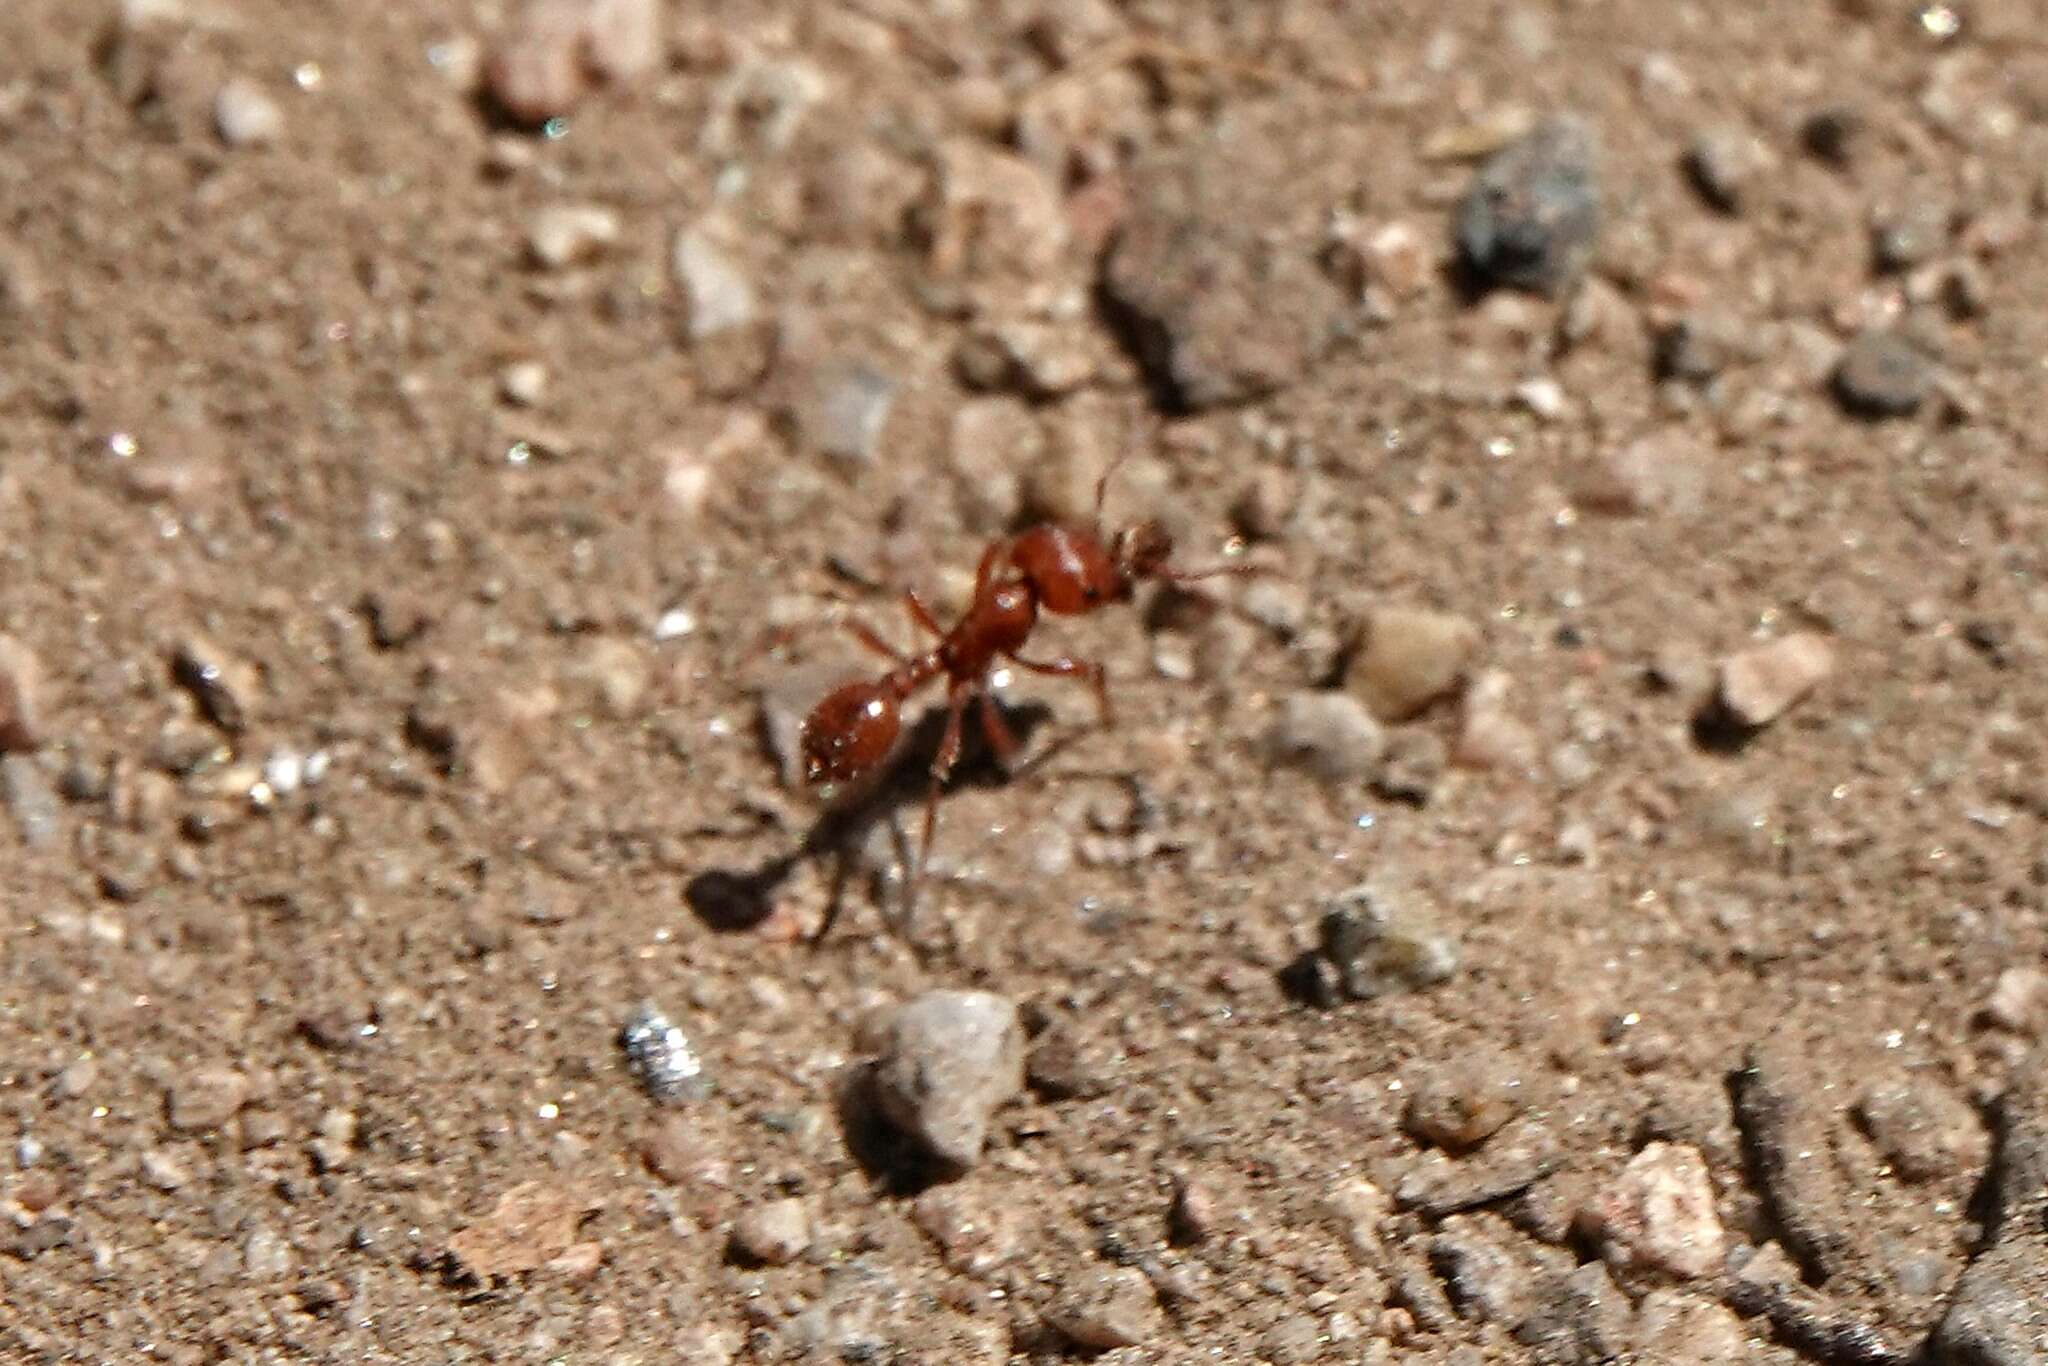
[{"x": 1533, "y": 210}]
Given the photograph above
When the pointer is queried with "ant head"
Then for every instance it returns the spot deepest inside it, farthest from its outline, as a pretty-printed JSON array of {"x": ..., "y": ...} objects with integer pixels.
[
  {"x": 1141, "y": 550},
  {"x": 849, "y": 732}
]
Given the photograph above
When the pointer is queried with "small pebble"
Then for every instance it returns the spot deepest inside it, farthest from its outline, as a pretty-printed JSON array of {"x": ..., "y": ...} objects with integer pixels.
[
  {"x": 1193, "y": 1215},
  {"x": 1696, "y": 347},
  {"x": 1333, "y": 734},
  {"x": 1544, "y": 397},
  {"x": 949, "y": 1060},
  {"x": 535, "y": 69},
  {"x": 1461, "y": 1103},
  {"x": 622, "y": 39},
  {"x": 1832, "y": 134},
  {"x": 26, "y": 794},
  {"x": 2018, "y": 1000},
  {"x": 1678, "y": 1327},
  {"x": 1659, "y": 1215},
  {"x": 1396, "y": 258},
  {"x": 659, "y": 1056},
  {"x": 1911, "y": 236},
  {"x": 246, "y": 116},
  {"x": 1724, "y": 164},
  {"x": 1664, "y": 473},
  {"x": 224, "y": 687},
  {"x": 716, "y": 291},
  {"x": 1880, "y": 374},
  {"x": 524, "y": 382},
  {"x": 846, "y": 410},
  {"x": 563, "y": 234},
  {"x": 1485, "y": 1279},
  {"x": 163, "y": 1170},
  {"x": 1380, "y": 943},
  {"x": 1202, "y": 292},
  {"x": 204, "y": 1100},
  {"x": 1533, "y": 210},
  {"x": 21, "y": 722},
  {"x": 1762, "y": 683},
  {"x": 1067, "y": 1062},
  {"x": 1412, "y": 766},
  {"x": 1491, "y": 736},
  {"x": 773, "y": 1234},
  {"x": 974, "y": 1232},
  {"x": 1996, "y": 1314},
  {"x": 1408, "y": 658},
  {"x": 1105, "y": 1310},
  {"x": 1923, "y": 1128},
  {"x": 266, "y": 1255}
]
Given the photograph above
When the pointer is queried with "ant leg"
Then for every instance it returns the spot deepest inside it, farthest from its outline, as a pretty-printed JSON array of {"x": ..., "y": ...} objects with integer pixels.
[
  {"x": 997, "y": 731},
  {"x": 942, "y": 765},
  {"x": 1177, "y": 576},
  {"x": 921, "y": 615},
  {"x": 1088, "y": 671},
  {"x": 986, "y": 570},
  {"x": 866, "y": 635},
  {"x": 835, "y": 897}
]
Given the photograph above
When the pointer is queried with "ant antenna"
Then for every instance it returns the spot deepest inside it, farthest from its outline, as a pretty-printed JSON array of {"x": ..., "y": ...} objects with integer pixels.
[{"x": 1102, "y": 484}]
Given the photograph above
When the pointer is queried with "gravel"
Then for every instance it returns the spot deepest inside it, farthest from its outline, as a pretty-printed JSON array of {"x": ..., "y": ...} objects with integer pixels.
[
  {"x": 1104, "y": 1310},
  {"x": 1407, "y": 658},
  {"x": 660, "y": 1057},
  {"x": 772, "y": 1234},
  {"x": 1923, "y": 1128},
  {"x": 949, "y": 1060},
  {"x": 1910, "y": 236},
  {"x": 1332, "y": 734},
  {"x": 1213, "y": 312},
  {"x": 1998, "y": 1315},
  {"x": 246, "y": 116},
  {"x": 1380, "y": 942},
  {"x": 21, "y": 720},
  {"x": 28, "y": 798},
  {"x": 1529, "y": 219},
  {"x": 716, "y": 291},
  {"x": 206, "y": 1099},
  {"x": 1724, "y": 165},
  {"x": 1460, "y": 1102},
  {"x": 1485, "y": 1279},
  {"x": 224, "y": 686},
  {"x": 1882, "y": 375},
  {"x": 1662, "y": 473},
  {"x": 1762, "y": 683},
  {"x": 1781, "y": 1129},
  {"x": 1517, "y": 1158},
  {"x": 2019, "y": 1000},
  {"x": 1412, "y": 767},
  {"x": 564, "y": 234},
  {"x": 1658, "y": 1215},
  {"x": 845, "y": 409},
  {"x": 1583, "y": 1318}
]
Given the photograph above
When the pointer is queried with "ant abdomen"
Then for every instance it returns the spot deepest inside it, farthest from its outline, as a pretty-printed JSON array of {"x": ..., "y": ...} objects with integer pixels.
[{"x": 850, "y": 731}]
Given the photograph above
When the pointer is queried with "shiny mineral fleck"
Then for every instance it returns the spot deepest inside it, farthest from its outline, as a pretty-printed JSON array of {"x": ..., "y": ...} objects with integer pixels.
[{"x": 660, "y": 1058}]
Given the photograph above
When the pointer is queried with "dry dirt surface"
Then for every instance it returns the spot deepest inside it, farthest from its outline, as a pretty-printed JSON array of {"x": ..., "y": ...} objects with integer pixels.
[{"x": 1582, "y": 901}]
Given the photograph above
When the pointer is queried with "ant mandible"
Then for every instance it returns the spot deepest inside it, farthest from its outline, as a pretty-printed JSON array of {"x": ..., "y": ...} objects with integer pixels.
[{"x": 1064, "y": 570}]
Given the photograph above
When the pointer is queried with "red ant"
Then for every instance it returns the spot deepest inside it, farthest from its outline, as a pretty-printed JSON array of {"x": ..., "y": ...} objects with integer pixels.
[{"x": 1046, "y": 568}]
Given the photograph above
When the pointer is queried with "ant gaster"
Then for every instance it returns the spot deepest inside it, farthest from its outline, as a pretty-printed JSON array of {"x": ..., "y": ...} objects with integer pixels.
[{"x": 1064, "y": 570}]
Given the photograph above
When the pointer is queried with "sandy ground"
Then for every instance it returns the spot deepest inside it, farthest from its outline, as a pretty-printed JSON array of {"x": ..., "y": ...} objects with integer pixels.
[{"x": 399, "y": 506}]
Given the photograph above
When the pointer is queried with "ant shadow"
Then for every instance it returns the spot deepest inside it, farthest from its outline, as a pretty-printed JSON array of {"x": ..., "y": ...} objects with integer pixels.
[{"x": 731, "y": 900}]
